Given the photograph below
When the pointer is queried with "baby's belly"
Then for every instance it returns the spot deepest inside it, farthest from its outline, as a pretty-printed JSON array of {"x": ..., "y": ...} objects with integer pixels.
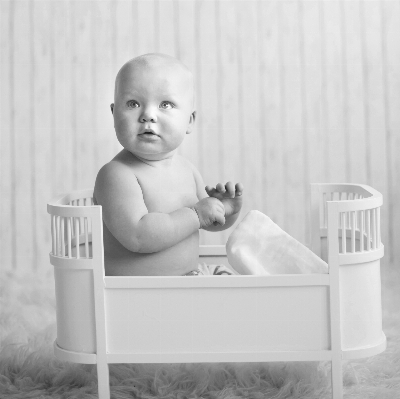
[{"x": 175, "y": 261}]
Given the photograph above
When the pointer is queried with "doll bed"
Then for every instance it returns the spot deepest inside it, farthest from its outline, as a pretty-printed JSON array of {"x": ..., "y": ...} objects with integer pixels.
[{"x": 174, "y": 319}]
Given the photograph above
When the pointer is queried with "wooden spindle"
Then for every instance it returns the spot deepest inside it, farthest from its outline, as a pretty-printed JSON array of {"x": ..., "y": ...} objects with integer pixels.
[
  {"x": 353, "y": 231},
  {"x": 357, "y": 214},
  {"x": 373, "y": 228},
  {"x": 343, "y": 216},
  {"x": 77, "y": 237},
  {"x": 62, "y": 237},
  {"x": 368, "y": 228},
  {"x": 362, "y": 231},
  {"x": 69, "y": 237},
  {"x": 72, "y": 228},
  {"x": 58, "y": 236},
  {"x": 79, "y": 202},
  {"x": 53, "y": 234},
  {"x": 378, "y": 226},
  {"x": 86, "y": 238},
  {"x": 89, "y": 225},
  {"x": 350, "y": 197}
]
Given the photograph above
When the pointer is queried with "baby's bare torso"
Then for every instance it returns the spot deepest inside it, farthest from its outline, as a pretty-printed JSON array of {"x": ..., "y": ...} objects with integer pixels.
[{"x": 165, "y": 189}]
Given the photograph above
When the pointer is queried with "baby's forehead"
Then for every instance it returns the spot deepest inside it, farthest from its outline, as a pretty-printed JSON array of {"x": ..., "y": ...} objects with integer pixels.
[
  {"x": 157, "y": 61},
  {"x": 155, "y": 72},
  {"x": 165, "y": 68}
]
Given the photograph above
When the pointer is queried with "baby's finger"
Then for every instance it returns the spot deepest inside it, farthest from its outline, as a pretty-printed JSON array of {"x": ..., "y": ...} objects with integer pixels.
[
  {"x": 230, "y": 188},
  {"x": 220, "y": 187},
  {"x": 221, "y": 209},
  {"x": 239, "y": 189},
  {"x": 219, "y": 214},
  {"x": 211, "y": 191},
  {"x": 219, "y": 219}
]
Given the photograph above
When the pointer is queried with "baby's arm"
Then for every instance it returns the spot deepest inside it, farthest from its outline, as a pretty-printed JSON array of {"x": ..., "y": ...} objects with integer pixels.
[
  {"x": 129, "y": 221},
  {"x": 229, "y": 195}
]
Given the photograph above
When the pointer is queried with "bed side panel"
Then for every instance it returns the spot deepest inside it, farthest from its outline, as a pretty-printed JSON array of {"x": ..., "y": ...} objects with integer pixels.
[{"x": 218, "y": 319}]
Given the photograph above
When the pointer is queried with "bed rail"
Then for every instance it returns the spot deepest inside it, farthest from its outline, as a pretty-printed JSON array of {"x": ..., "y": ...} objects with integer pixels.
[
  {"x": 71, "y": 225},
  {"x": 355, "y": 219}
]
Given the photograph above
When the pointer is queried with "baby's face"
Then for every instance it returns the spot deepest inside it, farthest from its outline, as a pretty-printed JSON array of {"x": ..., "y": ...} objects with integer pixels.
[{"x": 153, "y": 110}]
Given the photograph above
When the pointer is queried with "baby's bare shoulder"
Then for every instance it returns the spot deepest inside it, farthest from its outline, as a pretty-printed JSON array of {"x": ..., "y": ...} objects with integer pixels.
[
  {"x": 116, "y": 178},
  {"x": 121, "y": 166},
  {"x": 115, "y": 171}
]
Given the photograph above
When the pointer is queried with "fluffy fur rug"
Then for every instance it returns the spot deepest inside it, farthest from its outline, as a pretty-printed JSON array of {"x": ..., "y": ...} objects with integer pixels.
[{"x": 28, "y": 368}]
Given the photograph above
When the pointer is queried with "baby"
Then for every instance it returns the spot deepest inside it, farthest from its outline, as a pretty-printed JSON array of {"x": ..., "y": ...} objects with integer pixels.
[{"x": 153, "y": 200}]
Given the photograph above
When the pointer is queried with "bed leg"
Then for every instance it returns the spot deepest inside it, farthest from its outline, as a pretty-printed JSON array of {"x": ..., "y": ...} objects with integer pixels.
[
  {"x": 337, "y": 379},
  {"x": 103, "y": 380}
]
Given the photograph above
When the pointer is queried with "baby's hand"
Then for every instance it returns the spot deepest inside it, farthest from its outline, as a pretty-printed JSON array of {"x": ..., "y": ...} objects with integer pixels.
[
  {"x": 229, "y": 195},
  {"x": 210, "y": 211}
]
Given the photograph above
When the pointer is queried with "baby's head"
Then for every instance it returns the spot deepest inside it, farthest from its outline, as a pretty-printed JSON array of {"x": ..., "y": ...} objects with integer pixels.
[{"x": 153, "y": 105}]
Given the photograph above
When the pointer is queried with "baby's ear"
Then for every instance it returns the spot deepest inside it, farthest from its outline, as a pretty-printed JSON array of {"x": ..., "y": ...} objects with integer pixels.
[
  {"x": 112, "y": 108},
  {"x": 191, "y": 122}
]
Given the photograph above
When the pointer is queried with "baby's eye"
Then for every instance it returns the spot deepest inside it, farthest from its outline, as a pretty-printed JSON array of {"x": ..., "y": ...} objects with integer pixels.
[
  {"x": 166, "y": 105},
  {"x": 132, "y": 104}
]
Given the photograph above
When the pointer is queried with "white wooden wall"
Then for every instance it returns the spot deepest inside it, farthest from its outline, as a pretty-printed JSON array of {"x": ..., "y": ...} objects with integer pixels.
[{"x": 288, "y": 93}]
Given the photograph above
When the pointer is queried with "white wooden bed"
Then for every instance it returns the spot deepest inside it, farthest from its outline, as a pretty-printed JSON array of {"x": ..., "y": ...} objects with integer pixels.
[{"x": 335, "y": 316}]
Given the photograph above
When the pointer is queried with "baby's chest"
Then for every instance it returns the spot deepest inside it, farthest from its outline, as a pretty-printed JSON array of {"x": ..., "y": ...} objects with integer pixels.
[{"x": 168, "y": 192}]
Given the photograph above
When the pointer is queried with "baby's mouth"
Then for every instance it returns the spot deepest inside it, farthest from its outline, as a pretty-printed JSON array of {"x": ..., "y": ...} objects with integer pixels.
[{"x": 148, "y": 132}]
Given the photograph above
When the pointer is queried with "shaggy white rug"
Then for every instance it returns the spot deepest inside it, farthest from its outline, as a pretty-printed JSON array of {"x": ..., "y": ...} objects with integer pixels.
[{"x": 28, "y": 368}]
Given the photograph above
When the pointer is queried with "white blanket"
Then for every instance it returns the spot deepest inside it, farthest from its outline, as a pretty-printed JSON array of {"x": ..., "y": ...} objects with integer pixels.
[{"x": 259, "y": 246}]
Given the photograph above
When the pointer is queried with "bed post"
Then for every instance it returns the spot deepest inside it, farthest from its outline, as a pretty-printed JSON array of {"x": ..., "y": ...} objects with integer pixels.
[
  {"x": 334, "y": 294},
  {"x": 103, "y": 378},
  {"x": 315, "y": 219}
]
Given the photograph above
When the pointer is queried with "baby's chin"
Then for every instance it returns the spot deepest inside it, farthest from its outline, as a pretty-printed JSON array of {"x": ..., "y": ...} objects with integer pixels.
[{"x": 152, "y": 156}]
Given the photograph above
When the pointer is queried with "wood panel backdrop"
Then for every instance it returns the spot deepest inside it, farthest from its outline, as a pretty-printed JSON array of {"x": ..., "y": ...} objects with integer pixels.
[{"x": 288, "y": 93}]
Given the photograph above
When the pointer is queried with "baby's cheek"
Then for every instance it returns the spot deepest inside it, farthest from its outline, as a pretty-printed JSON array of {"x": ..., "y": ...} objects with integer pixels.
[{"x": 124, "y": 126}]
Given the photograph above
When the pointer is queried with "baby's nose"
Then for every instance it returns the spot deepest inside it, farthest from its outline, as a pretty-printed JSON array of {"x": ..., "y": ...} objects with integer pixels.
[{"x": 148, "y": 115}]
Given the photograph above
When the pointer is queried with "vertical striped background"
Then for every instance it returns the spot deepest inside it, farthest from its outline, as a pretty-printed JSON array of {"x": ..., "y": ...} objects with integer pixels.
[{"x": 288, "y": 93}]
